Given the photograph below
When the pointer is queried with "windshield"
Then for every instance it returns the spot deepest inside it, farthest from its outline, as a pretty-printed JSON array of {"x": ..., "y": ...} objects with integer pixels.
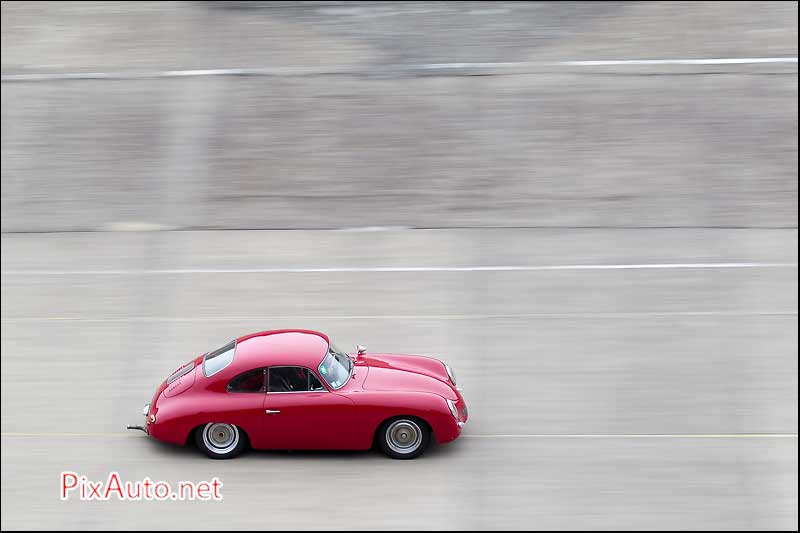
[{"x": 336, "y": 367}]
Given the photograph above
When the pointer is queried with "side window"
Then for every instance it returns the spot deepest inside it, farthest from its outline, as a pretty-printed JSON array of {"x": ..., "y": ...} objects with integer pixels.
[
  {"x": 313, "y": 383},
  {"x": 293, "y": 379},
  {"x": 250, "y": 381}
]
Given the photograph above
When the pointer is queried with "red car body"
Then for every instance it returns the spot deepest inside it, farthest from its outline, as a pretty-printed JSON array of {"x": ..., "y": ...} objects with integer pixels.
[{"x": 382, "y": 387}]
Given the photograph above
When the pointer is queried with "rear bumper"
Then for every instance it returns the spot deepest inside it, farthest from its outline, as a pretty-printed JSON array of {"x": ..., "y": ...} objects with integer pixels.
[
  {"x": 149, "y": 418},
  {"x": 146, "y": 426}
]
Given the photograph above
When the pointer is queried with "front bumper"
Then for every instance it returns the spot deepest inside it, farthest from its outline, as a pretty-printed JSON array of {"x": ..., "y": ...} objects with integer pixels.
[{"x": 451, "y": 428}]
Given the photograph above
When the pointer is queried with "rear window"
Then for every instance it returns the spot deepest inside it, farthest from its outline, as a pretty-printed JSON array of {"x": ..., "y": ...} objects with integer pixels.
[{"x": 215, "y": 361}]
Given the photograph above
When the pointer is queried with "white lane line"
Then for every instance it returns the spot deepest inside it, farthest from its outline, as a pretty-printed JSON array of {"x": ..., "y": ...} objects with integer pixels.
[
  {"x": 637, "y": 436},
  {"x": 140, "y": 75},
  {"x": 484, "y": 12},
  {"x": 713, "y": 61},
  {"x": 438, "y": 66},
  {"x": 606, "y": 63},
  {"x": 344, "y": 70},
  {"x": 253, "y": 318},
  {"x": 476, "y": 435},
  {"x": 331, "y": 270}
]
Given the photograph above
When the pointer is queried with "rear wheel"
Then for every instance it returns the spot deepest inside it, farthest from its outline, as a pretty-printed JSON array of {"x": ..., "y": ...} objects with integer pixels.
[
  {"x": 219, "y": 440},
  {"x": 404, "y": 437}
]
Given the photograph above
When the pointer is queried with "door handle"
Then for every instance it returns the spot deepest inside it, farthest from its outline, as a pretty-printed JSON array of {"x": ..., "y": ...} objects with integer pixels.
[{"x": 271, "y": 412}]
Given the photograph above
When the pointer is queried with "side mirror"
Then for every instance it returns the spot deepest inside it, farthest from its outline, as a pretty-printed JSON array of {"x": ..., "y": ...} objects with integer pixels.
[{"x": 361, "y": 349}]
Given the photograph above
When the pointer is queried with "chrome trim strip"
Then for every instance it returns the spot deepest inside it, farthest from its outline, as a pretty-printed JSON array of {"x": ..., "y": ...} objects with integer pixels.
[
  {"x": 188, "y": 367},
  {"x": 298, "y": 392}
]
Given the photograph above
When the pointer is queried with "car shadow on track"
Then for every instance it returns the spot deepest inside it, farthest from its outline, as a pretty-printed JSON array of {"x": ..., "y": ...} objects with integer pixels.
[{"x": 190, "y": 451}]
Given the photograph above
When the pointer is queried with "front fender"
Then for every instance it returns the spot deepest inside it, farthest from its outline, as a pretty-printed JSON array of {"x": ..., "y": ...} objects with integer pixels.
[{"x": 375, "y": 407}]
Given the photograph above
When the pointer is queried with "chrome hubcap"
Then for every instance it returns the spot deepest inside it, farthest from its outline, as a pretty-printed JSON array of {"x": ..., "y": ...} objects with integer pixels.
[
  {"x": 220, "y": 438},
  {"x": 403, "y": 436}
]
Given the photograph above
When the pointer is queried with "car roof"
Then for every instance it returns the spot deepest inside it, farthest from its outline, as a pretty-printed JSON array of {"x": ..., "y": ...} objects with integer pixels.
[{"x": 295, "y": 347}]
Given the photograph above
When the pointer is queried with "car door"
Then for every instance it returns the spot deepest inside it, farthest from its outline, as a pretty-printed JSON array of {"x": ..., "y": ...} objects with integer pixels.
[
  {"x": 243, "y": 404},
  {"x": 301, "y": 413}
]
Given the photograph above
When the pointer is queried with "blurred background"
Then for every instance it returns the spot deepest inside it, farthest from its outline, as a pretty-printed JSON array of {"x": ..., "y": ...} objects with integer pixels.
[{"x": 588, "y": 209}]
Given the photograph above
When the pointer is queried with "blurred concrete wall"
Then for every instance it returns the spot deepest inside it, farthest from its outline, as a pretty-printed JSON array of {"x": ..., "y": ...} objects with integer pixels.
[{"x": 354, "y": 131}]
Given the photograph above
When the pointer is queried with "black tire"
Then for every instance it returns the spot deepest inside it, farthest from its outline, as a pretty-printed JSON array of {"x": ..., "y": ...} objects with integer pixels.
[
  {"x": 219, "y": 440},
  {"x": 404, "y": 437}
]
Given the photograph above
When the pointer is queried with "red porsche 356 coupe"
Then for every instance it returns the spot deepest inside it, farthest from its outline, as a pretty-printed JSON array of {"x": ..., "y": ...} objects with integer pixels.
[{"x": 293, "y": 390}]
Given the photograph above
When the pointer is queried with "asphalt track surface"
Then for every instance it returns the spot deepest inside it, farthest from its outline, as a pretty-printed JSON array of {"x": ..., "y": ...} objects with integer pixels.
[{"x": 617, "y": 292}]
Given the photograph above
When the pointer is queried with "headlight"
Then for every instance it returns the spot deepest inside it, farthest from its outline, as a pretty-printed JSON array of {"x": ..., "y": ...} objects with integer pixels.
[
  {"x": 451, "y": 374},
  {"x": 453, "y": 409}
]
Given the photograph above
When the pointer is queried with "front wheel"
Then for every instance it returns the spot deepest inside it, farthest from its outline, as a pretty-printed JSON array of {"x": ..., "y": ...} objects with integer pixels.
[
  {"x": 220, "y": 441},
  {"x": 404, "y": 438}
]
